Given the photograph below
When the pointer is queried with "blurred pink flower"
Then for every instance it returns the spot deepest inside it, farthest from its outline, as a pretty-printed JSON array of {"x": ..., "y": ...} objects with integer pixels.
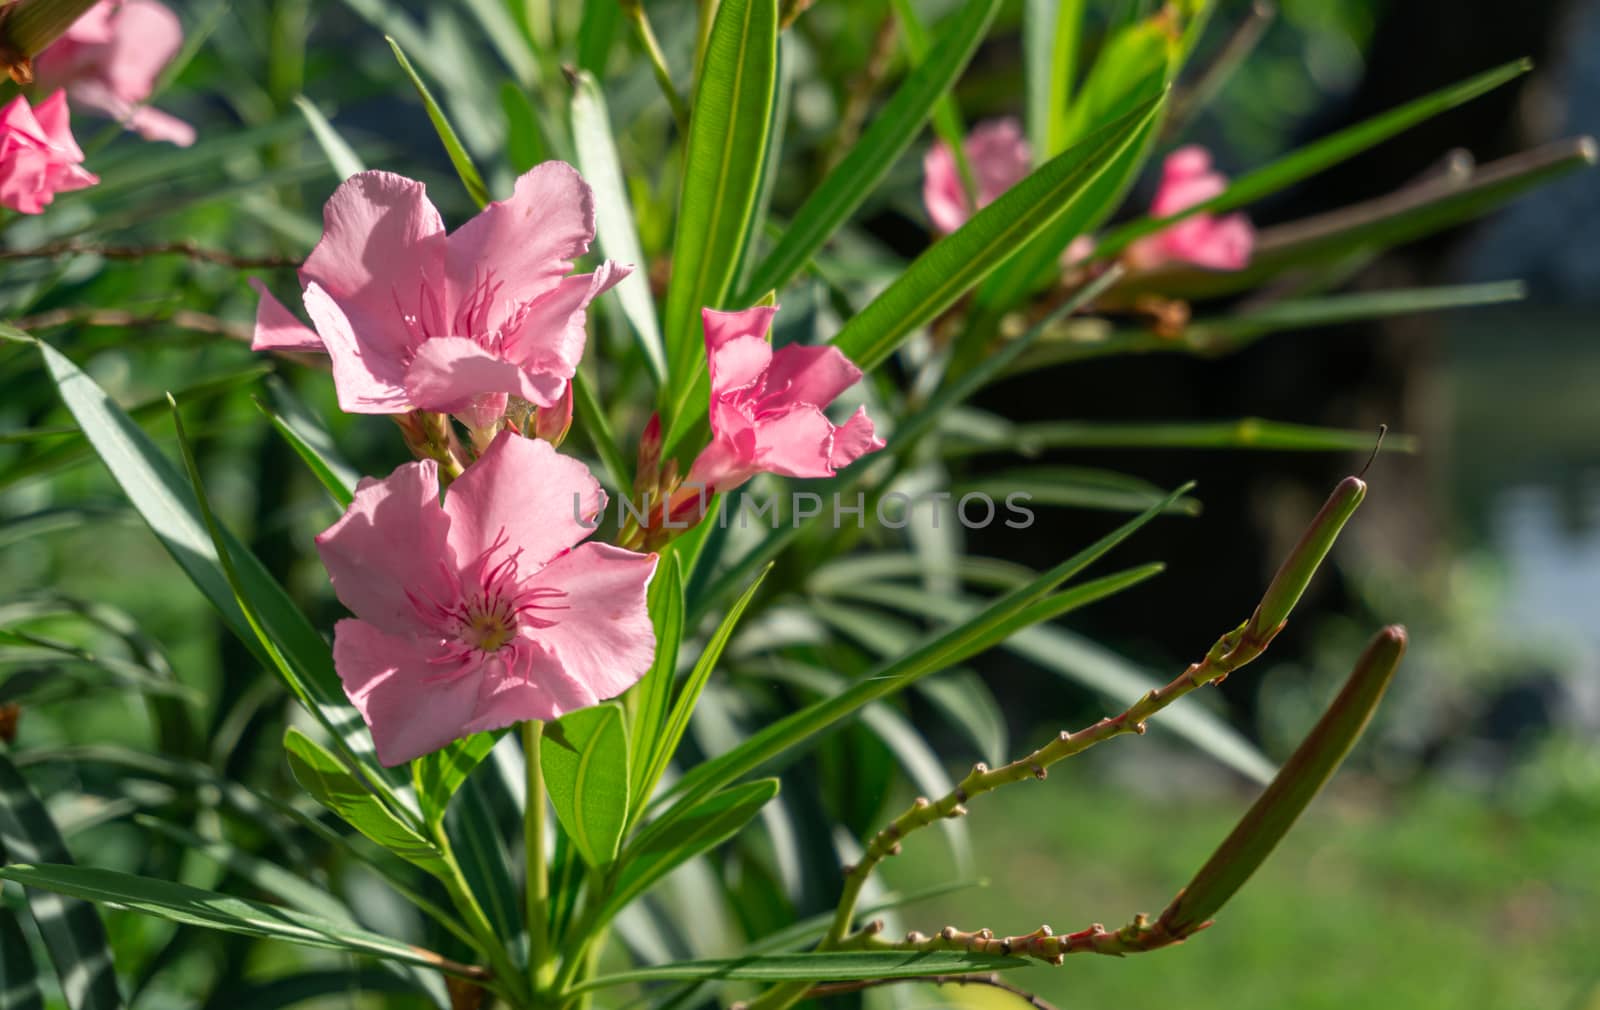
[
  {"x": 999, "y": 157},
  {"x": 1217, "y": 243},
  {"x": 38, "y": 157},
  {"x": 416, "y": 319},
  {"x": 482, "y": 612},
  {"x": 767, "y": 406},
  {"x": 109, "y": 61}
]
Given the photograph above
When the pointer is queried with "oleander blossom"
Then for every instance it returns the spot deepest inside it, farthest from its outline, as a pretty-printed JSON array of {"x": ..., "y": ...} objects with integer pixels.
[
  {"x": 109, "y": 61},
  {"x": 999, "y": 157},
  {"x": 1205, "y": 240},
  {"x": 38, "y": 157},
  {"x": 486, "y": 610},
  {"x": 417, "y": 319},
  {"x": 767, "y": 406}
]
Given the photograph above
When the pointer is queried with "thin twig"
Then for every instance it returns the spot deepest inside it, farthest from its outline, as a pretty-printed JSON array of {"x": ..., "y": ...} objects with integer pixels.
[
  {"x": 1246, "y": 35},
  {"x": 992, "y": 980},
  {"x": 183, "y": 319},
  {"x": 71, "y": 247}
]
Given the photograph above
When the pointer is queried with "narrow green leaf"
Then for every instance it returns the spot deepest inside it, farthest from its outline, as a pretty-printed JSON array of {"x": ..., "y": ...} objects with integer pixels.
[
  {"x": 334, "y": 476},
  {"x": 652, "y": 697},
  {"x": 1073, "y": 487},
  {"x": 677, "y": 721},
  {"x": 192, "y": 906},
  {"x": 663, "y": 846},
  {"x": 327, "y": 987},
  {"x": 1294, "y": 787},
  {"x": 584, "y": 757},
  {"x": 335, "y": 787},
  {"x": 1322, "y": 154},
  {"x": 19, "y": 979},
  {"x": 588, "y": 412},
  {"x": 465, "y": 169},
  {"x": 73, "y": 936},
  {"x": 158, "y": 492},
  {"x": 940, "y": 651},
  {"x": 289, "y": 886},
  {"x": 952, "y": 266},
  {"x": 722, "y": 170},
  {"x": 437, "y": 776},
  {"x": 836, "y": 966},
  {"x": 1245, "y": 433},
  {"x": 893, "y": 128},
  {"x": 596, "y": 30},
  {"x": 340, "y": 155},
  {"x": 613, "y": 216},
  {"x": 1056, "y": 35},
  {"x": 946, "y": 114},
  {"x": 525, "y": 142}
]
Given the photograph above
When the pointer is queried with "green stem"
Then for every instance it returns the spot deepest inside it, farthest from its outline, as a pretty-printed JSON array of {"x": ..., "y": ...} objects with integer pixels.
[
  {"x": 509, "y": 980},
  {"x": 533, "y": 840},
  {"x": 634, "y": 9}
]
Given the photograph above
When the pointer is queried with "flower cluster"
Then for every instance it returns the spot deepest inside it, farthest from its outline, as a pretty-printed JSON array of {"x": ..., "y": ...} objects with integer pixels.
[
  {"x": 108, "y": 60},
  {"x": 490, "y": 609}
]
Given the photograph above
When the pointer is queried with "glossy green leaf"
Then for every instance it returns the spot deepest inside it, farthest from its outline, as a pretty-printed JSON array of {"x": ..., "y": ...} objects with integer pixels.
[
  {"x": 1245, "y": 433},
  {"x": 663, "y": 846},
  {"x": 20, "y": 988},
  {"x": 73, "y": 936},
  {"x": 335, "y": 787},
  {"x": 613, "y": 216},
  {"x": 459, "y": 158},
  {"x": 596, "y": 30},
  {"x": 437, "y": 776},
  {"x": 193, "y": 906},
  {"x": 677, "y": 721},
  {"x": 815, "y": 967},
  {"x": 335, "y": 477},
  {"x": 340, "y": 155},
  {"x": 953, "y": 265},
  {"x": 869, "y": 159},
  {"x": 939, "y": 651},
  {"x": 525, "y": 141},
  {"x": 722, "y": 171},
  {"x": 1323, "y": 154},
  {"x": 651, "y": 699},
  {"x": 1053, "y": 32},
  {"x": 157, "y": 490},
  {"x": 584, "y": 757}
]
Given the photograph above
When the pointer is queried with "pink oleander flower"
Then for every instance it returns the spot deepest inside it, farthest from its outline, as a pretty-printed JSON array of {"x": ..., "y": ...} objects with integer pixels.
[
  {"x": 767, "y": 406},
  {"x": 109, "y": 61},
  {"x": 999, "y": 157},
  {"x": 487, "y": 610},
  {"x": 415, "y": 319},
  {"x": 1217, "y": 243},
  {"x": 38, "y": 157}
]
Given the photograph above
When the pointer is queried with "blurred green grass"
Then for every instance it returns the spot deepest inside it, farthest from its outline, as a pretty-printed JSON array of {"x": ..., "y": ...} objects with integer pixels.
[{"x": 1384, "y": 900}]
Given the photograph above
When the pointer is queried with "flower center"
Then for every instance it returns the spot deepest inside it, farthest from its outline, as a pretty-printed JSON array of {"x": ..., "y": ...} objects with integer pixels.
[{"x": 480, "y": 314}]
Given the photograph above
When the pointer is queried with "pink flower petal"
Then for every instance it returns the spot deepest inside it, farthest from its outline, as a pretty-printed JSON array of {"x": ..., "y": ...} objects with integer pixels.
[
  {"x": 604, "y": 638},
  {"x": 721, "y": 327},
  {"x": 943, "y": 194},
  {"x": 738, "y": 363},
  {"x": 449, "y": 374},
  {"x": 277, "y": 329},
  {"x": 390, "y": 543},
  {"x": 854, "y": 439},
  {"x": 526, "y": 243},
  {"x": 153, "y": 124},
  {"x": 367, "y": 381},
  {"x": 999, "y": 157},
  {"x": 535, "y": 687},
  {"x": 553, "y": 331},
  {"x": 810, "y": 374},
  {"x": 382, "y": 240},
  {"x": 522, "y": 491},
  {"x": 392, "y": 681},
  {"x": 796, "y": 443}
]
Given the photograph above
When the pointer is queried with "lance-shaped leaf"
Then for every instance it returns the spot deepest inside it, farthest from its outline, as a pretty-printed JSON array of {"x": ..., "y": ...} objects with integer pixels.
[
  {"x": 1297, "y": 782},
  {"x": 193, "y": 906},
  {"x": 664, "y": 846},
  {"x": 437, "y": 776},
  {"x": 340, "y": 155},
  {"x": 73, "y": 936},
  {"x": 677, "y": 721},
  {"x": 722, "y": 171},
  {"x": 650, "y": 699},
  {"x": 613, "y": 215},
  {"x": 336, "y": 478},
  {"x": 459, "y": 158},
  {"x": 893, "y": 128},
  {"x": 584, "y": 758},
  {"x": 1245, "y": 433},
  {"x": 834, "y": 966},
  {"x": 953, "y": 265},
  {"x": 335, "y": 787}
]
